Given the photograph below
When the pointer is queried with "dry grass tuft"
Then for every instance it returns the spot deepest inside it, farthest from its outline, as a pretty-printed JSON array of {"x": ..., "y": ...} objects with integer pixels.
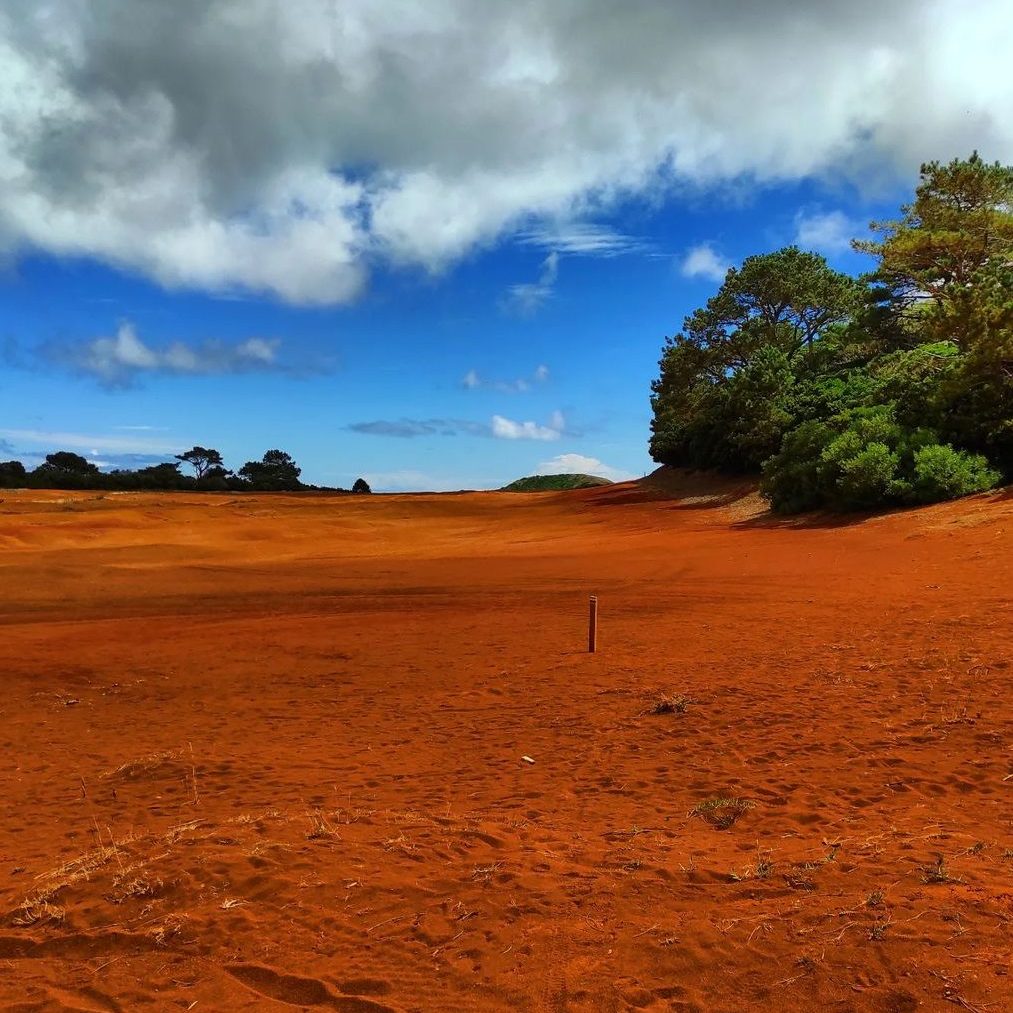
[
  {"x": 321, "y": 828},
  {"x": 938, "y": 872},
  {"x": 169, "y": 930},
  {"x": 134, "y": 888},
  {"x": 722, "y": 813},
  {"x": 671, "y": 704},
  {"x": 37, "y": 911}
]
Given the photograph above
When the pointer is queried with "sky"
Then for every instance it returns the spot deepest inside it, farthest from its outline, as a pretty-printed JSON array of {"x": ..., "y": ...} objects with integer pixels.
[{"x": 434, "y": 243}]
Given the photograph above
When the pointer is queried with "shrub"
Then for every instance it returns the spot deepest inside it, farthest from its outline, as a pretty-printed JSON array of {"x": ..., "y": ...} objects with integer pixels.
[
  {"x": 792, "y": 478},
  {"x": 940, "y": 473},
  {"x": 867, "y": 479},
  {"x": 862, "y": 459}
]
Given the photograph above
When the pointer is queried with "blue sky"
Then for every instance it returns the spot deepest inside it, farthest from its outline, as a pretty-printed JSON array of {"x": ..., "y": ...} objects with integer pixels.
[
  {"x": 471, "y": 284},
  {"x": 372, "y": 388}
]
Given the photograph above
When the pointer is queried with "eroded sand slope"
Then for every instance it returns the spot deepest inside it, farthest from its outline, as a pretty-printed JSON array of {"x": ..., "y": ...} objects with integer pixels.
[{"x": 263, "y": 752}]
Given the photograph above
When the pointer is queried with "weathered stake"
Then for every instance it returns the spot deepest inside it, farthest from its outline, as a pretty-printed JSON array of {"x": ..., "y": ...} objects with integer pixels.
[{"x": 592, "y": 625}]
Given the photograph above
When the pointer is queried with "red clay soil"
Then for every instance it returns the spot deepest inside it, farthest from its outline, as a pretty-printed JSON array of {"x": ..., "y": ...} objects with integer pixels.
[{"x": 268, "y": 752}]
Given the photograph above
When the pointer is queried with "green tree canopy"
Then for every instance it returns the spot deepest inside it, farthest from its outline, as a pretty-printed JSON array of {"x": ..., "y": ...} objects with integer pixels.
[
  {"x": 275, "y": 472},
  {"x": 201, "y": 459},
  {"x": 721, "y": 399},
  {"x": 68, "y": 463},
  {"x": 12, "y": 474},
  {"x": 852, "y": 393},
  {"x": 960, "y": 222}
]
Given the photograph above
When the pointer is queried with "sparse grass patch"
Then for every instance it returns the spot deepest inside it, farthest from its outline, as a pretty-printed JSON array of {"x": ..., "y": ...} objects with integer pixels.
[
  {"x": 721, "y": 813},
  {"x": 134, "y": 888},
  {"x": 321, "y": 828},
  {"x": 168, "y": 930},
  {"x": 762, "y": 868},
  {"x": 670, "y": 704},
  {"x": 800, "y": 877},
  {"x": 37, "y": 911},
  {"x": 875, "y": 899},
  {"x": 165, "y": 763},
  {"x": 938, "y": 872}
]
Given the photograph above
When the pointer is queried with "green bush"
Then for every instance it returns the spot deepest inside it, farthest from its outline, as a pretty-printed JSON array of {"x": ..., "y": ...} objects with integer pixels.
[
  {"x": 863, "y": 459},
  {"x": 792, "y": 479},
  {"x": 940, "y": 473},
  {"x": 867, "y": 479}
]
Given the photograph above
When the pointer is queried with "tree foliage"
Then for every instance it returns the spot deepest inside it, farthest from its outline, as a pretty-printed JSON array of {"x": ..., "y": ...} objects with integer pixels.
[
  {"x": 202, "y": 460},
  {"x": 852, "y": 393},
  {"x": 275, "y": 472}
]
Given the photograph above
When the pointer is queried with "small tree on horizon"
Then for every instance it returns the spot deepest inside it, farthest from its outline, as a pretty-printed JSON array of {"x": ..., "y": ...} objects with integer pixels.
[
  {"x": 276, "y": 472},
  {"x": 201, "y": 459},
  {"x": 12, "y": 474},
  {"x": 68, "y": 463},
  {"x": 361, "y": 485}
]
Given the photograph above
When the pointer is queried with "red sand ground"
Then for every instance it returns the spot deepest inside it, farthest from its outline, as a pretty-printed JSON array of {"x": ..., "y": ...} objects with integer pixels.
[{"x": 261, "y": 751}]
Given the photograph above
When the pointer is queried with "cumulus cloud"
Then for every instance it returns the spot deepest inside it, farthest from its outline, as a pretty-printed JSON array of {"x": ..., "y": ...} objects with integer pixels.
[
  {"x": 578, "y": 464},
  {"x": 702, "y": 262},
  {"x": 124, "y": 357},
  {"x": 473, "y": 381},
  {"x": 527, "y": 297},
  {"x": 508, "y": 429},
  {"x": 827, "y": 232},
  {"x": 282, "y": 147}
]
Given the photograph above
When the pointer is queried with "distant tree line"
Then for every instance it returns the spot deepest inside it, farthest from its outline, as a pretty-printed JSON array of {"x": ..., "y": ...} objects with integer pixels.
[
  {"x": 276, "y": 471},
  {"x": 855, "y": 393}
]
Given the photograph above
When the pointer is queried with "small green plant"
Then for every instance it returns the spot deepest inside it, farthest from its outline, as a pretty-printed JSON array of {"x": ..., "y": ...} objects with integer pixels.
[
  {"x": 875, "y": 899},
  {"x": 938, "y": 872},
  {"x": 721, "y": 813}
]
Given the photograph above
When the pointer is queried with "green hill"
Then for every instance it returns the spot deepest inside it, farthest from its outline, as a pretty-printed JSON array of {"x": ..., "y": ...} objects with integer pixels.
[{"x": 554, "y": 483}]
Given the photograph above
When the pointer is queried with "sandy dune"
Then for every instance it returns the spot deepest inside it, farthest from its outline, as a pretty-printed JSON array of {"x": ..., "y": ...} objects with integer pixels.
[{"x": 266, "y": 752}]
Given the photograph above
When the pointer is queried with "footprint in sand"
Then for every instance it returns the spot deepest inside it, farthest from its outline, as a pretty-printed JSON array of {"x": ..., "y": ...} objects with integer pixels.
[{"x": 298, "y": 991}]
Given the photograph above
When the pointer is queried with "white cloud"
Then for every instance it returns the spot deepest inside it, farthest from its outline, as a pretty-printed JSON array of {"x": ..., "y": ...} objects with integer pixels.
[
  {"x": 578, "y": 464},
  {"x": 826, "y": 232},
  {"x": 508, "y": 429},
  {"x": 91, "y": 443},
  {"x": 702, "y": 262},
  {"x": 409, "y": 480},
  {"x": 340, "y": 134},
  {"x": 583, "y": 239},
  {"x": 473, "y": 381},
  {"x": 527, "y": 297},
  {"x": 123, "y": 357}
]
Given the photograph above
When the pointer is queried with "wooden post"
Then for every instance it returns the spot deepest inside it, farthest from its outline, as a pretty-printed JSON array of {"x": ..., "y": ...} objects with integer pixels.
[{"x": 592, "y": 625}]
